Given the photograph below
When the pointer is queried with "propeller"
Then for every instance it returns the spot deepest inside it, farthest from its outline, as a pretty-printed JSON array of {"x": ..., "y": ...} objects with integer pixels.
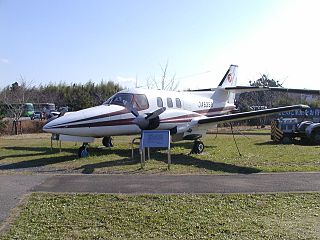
[
  {"x": 51, "y": 117},
  {"x": 147, "y": 121},
  {"x": 63, "y": 111}
]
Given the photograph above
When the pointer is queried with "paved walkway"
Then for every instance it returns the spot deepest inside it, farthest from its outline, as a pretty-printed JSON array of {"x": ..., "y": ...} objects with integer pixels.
[
  {"x": 162, "y": 184},
  {"x": 14, "y": 187}
]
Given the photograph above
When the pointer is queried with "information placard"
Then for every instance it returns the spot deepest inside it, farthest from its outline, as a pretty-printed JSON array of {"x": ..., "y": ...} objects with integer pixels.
[{"x": 155, "y": 139}]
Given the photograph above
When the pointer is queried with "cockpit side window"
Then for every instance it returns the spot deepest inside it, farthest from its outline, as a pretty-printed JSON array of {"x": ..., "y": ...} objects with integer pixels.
[{"x": 140, "y": 101}]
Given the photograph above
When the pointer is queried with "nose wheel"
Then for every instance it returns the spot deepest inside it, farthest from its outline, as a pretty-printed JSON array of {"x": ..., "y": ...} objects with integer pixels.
[
  {"x": 197, "y": 148},
  {"x": 83, "y": 151}
]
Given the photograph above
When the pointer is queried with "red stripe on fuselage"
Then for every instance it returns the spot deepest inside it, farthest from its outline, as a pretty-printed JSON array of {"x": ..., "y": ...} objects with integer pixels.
[{"x": 129, "y": 121}]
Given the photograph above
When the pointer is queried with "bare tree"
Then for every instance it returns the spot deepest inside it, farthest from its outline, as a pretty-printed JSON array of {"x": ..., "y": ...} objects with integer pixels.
[
  {"x": 165, "y": 82},
  {"x": 14, "y": 97}
]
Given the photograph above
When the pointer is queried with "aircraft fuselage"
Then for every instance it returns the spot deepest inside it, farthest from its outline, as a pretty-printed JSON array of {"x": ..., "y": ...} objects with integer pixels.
[{"x": 114, "y": 118}]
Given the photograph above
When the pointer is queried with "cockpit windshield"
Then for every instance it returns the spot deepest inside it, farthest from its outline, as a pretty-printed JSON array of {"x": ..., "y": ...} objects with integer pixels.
[
  {"x": 139, "y": 101},
  {"x": 120, "y": 99}
]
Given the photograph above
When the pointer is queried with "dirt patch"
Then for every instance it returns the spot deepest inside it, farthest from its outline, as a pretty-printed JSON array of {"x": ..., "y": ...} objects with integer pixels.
[
  {"x": 24, "y": 126},
  {"x": 27, "y": 136}
]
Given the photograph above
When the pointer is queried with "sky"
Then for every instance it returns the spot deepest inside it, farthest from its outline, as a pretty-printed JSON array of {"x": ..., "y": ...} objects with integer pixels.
[{"x": 128, "y": 41}]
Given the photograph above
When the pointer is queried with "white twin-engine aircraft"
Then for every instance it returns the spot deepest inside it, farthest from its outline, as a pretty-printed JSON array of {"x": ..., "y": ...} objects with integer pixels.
[{"x": 188, "y": 115}]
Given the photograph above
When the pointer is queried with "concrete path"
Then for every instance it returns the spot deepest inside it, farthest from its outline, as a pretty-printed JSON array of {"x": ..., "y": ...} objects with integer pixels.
[
  {"x": 14, "y": 187},
  {"x": 162, "y": 184}
]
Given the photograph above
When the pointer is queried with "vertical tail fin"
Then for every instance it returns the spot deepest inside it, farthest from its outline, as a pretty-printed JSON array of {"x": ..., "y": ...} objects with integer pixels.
[{"x": 230, "y": 78}]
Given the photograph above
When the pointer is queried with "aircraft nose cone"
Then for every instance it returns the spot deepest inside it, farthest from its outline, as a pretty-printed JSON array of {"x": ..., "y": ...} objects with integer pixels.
[{"x": 47, "y": 127}]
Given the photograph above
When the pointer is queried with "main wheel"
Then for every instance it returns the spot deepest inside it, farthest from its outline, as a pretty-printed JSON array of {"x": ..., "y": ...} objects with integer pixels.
[
  {"x": 83, "y": 152},
  {"x": 107, "y": 142},
  {"x": 198, "y": 147}
]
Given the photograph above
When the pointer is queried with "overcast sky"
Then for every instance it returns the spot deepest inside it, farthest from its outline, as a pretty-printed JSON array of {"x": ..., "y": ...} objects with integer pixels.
[{"x": 75, "y": 41}]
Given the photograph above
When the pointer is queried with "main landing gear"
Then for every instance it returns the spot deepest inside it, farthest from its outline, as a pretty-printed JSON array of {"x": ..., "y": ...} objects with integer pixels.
[
  {"x": 107, "y": 142},
  {"x": 83, "y": 151},
  {"x": 198, "y": 147}
]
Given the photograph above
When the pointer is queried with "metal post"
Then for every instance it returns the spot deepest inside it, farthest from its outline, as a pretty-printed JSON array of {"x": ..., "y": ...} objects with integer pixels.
[
  {"x": 141, "y": 157},
  {"x": 132, "y": 150},
  {"x": 148, "y": 149},
  {"x": 169, "y": 158},
  {"x": 169, "y": 153},
  {"x": 144, "y": 157}
]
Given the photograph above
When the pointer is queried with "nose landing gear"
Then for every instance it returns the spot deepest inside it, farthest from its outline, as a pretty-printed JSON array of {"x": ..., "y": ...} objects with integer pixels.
[
  {"x": 198, "y": 147},
  {"x": 83, "y": 151}
]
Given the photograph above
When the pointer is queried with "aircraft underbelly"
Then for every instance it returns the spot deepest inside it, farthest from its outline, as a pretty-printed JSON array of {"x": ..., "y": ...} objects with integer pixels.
[{"x": 100, "y": 131}]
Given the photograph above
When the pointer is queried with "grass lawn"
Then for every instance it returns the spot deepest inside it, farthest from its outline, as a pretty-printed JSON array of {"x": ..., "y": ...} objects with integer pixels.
[
  {"x": 31, "y": 153},
  {"x": 236, "y": 216}
]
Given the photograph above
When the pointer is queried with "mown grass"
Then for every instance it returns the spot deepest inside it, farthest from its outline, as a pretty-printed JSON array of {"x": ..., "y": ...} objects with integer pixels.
[
  {"x": 237, "y": 216},
  {"x": 31, "y": 153}
]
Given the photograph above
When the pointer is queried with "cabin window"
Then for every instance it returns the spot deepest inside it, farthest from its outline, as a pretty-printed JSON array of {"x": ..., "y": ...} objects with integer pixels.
[
  {"x": 159, "y": 102},
  {"x": 178, "y": 103},
  {"x": 169, "y": 102}
]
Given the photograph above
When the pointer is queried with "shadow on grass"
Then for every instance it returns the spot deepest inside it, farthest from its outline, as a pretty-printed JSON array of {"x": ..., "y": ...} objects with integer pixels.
[
  {"x": 38, "y": 151},
  {"x": 266, "y": 143},
  {"x": 177, "y": 159},
  {"x": 89, "y": 168},
  {"x": 124, "y": 154},
  {"x": 188, "y": 145},
  {"x": 190, "y": 160},
  {"x": 37, "y": 162},
  {"x": 294, "y": 142}
]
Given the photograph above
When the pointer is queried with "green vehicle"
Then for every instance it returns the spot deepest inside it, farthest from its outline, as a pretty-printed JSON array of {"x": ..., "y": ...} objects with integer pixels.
[{"x": 28, "y": 110}]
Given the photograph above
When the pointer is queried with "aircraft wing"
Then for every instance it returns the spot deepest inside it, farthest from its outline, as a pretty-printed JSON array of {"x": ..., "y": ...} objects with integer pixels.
[
  {"x": 246, "y": 115},
  {"x": 240, "y": 89}
]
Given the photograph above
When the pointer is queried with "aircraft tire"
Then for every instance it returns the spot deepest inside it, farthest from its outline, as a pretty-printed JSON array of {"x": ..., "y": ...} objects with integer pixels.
[
  {"x": 316, "y": 138},
  {"x": 107, "y": 142},
  {"x": 198, "y": 147}
]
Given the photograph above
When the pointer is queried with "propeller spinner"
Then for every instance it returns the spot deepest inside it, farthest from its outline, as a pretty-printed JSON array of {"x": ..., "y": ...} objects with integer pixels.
[{"x": 147, "y": 121}]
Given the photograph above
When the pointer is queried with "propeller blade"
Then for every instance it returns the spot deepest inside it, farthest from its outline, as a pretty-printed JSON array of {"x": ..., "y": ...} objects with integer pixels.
[
  {"x": 134, "y": 112},
  {"x": 63, "y": 111},
  {"x": 155, "y": 113}
]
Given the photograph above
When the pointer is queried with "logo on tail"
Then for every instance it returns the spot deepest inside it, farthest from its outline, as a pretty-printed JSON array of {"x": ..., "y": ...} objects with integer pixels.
[{"x": 230, "y": 78}]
